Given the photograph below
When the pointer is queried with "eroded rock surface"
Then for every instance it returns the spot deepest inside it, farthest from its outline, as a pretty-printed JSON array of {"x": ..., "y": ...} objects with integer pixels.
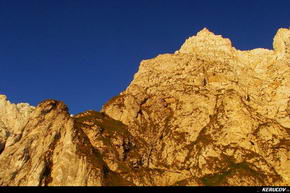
[
  {"x": 208, "y": 114},
  {"x": 13, "y": 118},
  {"x": 53, "y": 151},
  {"x": 213, "y": 114}
]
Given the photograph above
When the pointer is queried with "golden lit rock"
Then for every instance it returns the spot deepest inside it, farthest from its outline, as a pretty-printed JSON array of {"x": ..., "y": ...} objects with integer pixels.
[{"x": 208, "y": 114}]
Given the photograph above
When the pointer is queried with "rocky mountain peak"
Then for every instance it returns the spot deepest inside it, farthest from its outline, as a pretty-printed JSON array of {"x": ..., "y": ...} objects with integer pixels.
[
  {"x": 208, "y": 114},
  {"x": 208, "y": 97},
  {"x": 51, "y": 105},
  {"x": 206, "y": 41},
  {"x": 281, "y": 43},
  {"x": 3, "y": 97}
]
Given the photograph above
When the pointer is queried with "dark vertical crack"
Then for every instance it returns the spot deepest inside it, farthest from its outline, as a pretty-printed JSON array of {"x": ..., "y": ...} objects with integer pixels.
[
  {"x": 2, "y": 147},
  {"x": 46, "y": 175}
]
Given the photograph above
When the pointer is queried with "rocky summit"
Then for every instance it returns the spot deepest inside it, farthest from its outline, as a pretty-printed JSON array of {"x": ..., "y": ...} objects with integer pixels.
[{"x": 208, "y": 114}]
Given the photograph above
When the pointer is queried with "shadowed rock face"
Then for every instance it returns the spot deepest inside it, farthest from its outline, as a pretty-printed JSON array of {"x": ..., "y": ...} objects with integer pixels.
[{"x": 208, "y": 114}]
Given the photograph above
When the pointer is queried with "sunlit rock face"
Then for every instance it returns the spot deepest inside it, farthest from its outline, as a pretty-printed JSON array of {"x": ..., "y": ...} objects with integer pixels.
[
  {"x": 208, "y": 114},
  {"x": 211, "y": 114},
  {"x": 13, "y": 118},
  {"x": 53, "y": 150}
]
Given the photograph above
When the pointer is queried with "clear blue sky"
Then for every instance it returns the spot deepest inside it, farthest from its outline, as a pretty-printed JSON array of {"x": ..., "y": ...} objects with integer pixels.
[{"x": 86, "y": 51}]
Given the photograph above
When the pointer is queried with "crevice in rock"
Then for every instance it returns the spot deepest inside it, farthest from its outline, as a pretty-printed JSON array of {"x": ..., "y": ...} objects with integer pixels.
[
  {"x": 2, "y": 147},
  {"x": 48, "y": 163}
]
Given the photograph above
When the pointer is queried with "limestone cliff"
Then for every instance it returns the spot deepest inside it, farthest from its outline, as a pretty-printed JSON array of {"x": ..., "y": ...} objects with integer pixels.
[
  {"x": 13, "y": 118},
  {"x": 208, "y": 114}
]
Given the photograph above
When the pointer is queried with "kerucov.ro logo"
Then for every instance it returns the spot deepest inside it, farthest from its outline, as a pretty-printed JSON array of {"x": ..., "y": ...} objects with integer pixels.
[{"x": 270, "y": 189}]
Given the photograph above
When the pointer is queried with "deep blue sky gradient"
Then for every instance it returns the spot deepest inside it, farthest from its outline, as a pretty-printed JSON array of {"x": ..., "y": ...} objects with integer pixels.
[{"x": 86, "y": 51}]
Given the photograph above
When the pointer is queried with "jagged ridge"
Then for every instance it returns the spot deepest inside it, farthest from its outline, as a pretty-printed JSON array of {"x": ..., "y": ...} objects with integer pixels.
[{"x": 208, "y": 114}]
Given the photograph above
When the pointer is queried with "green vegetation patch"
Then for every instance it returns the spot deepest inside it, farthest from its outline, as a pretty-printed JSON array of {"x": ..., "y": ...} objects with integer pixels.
[
  {"x": 220, "y": 178},
  {"x": 103, "y": 121}
]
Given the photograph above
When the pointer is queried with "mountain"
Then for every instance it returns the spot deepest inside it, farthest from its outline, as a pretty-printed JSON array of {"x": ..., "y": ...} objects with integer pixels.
[{"x": 208, "y": 114}]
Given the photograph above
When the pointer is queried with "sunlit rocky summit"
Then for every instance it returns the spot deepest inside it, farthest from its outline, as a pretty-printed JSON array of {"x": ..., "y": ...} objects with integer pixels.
[{"x": 208, "y": 114}]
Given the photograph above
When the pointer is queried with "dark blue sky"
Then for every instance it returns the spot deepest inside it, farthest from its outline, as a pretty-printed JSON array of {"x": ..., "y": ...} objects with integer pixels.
[{"x": 86, "y": 51}]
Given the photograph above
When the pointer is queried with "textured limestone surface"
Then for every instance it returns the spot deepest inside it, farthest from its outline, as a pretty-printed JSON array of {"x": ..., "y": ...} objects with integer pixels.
[
  {"x": 208, "y": 114},
  {"x": 13, "y": 118}
]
